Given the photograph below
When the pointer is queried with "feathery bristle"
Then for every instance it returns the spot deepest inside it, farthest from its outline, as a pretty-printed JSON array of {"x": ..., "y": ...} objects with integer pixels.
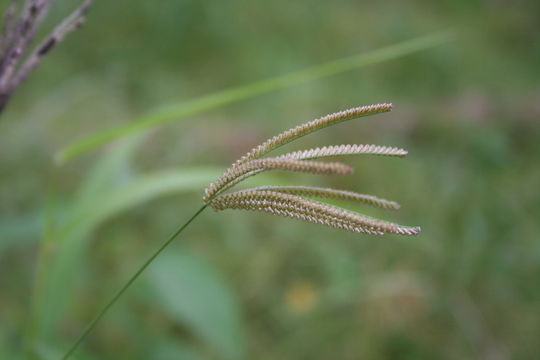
[
  {"x": 281, "y": 203},
  {"x": 330, "y": 193},
  {"x": 310, "y": 126},
  {"x": 336, "y": 150},
  {"x": 238, "y": 173}
]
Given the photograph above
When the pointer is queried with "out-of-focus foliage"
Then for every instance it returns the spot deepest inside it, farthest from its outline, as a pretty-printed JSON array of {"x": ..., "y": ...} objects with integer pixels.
[
  {"x": 200, "y": 104},
  {"x": 242, "y": 285}
]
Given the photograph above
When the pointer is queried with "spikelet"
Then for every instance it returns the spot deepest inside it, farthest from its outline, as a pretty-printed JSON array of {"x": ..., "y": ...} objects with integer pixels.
[
  {"x": 293, "y": 206},
  {"x": 288, "y": 200},
  {"x": 238, "y": 173},
  {"x": 313, "y": 125},
  {"x": 337, "y": 150},
  {"x": 330, "y": 193}
]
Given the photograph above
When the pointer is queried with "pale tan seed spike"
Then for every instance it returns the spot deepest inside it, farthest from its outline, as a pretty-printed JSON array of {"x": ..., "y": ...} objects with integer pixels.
[
  {"x": 309, "y": 207},
  {"x": 267, "y": 200},
  {"x": 318, "y": 219},
  {"x": 338, "y": 150},
  {"x": 321, "y": 218},
  {"x": 296, "y": 211},
  {"x": 330, "y": 193},
  {"x": 318, "y": 210},
  {"x": 238, "y": 173},
  {"x": 313, "y": 125}
]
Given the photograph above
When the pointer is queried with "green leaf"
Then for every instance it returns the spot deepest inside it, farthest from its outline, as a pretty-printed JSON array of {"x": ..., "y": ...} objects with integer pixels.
[
  {"x": 183, "y": 109},
  {"x": 192, "y": 292}
]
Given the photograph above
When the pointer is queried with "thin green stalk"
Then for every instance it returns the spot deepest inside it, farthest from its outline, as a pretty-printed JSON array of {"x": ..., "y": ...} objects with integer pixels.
[{"x": 93, "y": 323}]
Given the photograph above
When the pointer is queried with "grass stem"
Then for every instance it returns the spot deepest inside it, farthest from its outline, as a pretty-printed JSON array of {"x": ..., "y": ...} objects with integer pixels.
[{"x": 96, "y": 319}]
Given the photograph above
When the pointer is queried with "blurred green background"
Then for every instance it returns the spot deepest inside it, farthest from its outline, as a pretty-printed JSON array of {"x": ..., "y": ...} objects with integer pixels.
[{"x": 241, "y": 285}]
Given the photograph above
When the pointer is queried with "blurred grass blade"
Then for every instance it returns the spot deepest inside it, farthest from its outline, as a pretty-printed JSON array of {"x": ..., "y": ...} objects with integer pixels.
[
  {"x": 21, "y": 230},
  {"x": 169, "y": 350},
  {"x": 110, "y": 188},
  {"x": 203, "y": 103},
  {"x": 192, "y": 292},
  {"x": 110, "y": 170},
  {"x": 73, "y": 236},
  {"x": 144, "y": 188}
]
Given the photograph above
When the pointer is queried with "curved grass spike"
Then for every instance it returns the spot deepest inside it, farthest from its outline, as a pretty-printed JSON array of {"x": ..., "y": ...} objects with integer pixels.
[
  {"x": 313, "y": 125},
  {"x": 252, "y": 199},
  {"x": 320, "y": 192},
  {"x": 295, "y": 210},
  {"x": 339, "y": 150}
]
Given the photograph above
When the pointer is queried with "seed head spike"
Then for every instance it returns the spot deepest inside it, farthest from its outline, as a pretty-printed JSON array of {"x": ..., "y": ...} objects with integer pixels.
[
  {"x": 330, "y": 193},
  {"x": 288, "y": 200},
  {"x": 337, "y": 150},
  {"x": 313, "y": 125},
  {"x": 270, "y": 201}
]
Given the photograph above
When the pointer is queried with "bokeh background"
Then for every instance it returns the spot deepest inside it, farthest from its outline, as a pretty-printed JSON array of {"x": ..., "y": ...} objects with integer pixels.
[{"x": 241, "y": 285}]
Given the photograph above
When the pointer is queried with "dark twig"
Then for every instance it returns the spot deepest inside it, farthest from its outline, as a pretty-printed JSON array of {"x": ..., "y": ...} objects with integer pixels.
[
  {"x": 22, "y": 36},
  {"x": 71, "y": 23},
  {"x": 7, "y": 28},
  {"x": 17, "y": 36}
]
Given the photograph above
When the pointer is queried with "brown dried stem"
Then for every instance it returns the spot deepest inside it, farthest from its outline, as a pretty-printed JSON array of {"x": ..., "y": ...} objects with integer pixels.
[{"x": 17, "y": 36}]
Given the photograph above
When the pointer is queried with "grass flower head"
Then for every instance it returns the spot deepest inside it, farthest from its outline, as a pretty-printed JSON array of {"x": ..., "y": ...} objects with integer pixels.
[{"x": 295, "y": 201}]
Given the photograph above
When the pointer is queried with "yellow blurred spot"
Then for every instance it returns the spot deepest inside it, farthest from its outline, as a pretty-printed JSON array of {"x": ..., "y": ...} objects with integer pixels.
[{"x": 301, "y": 296}]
